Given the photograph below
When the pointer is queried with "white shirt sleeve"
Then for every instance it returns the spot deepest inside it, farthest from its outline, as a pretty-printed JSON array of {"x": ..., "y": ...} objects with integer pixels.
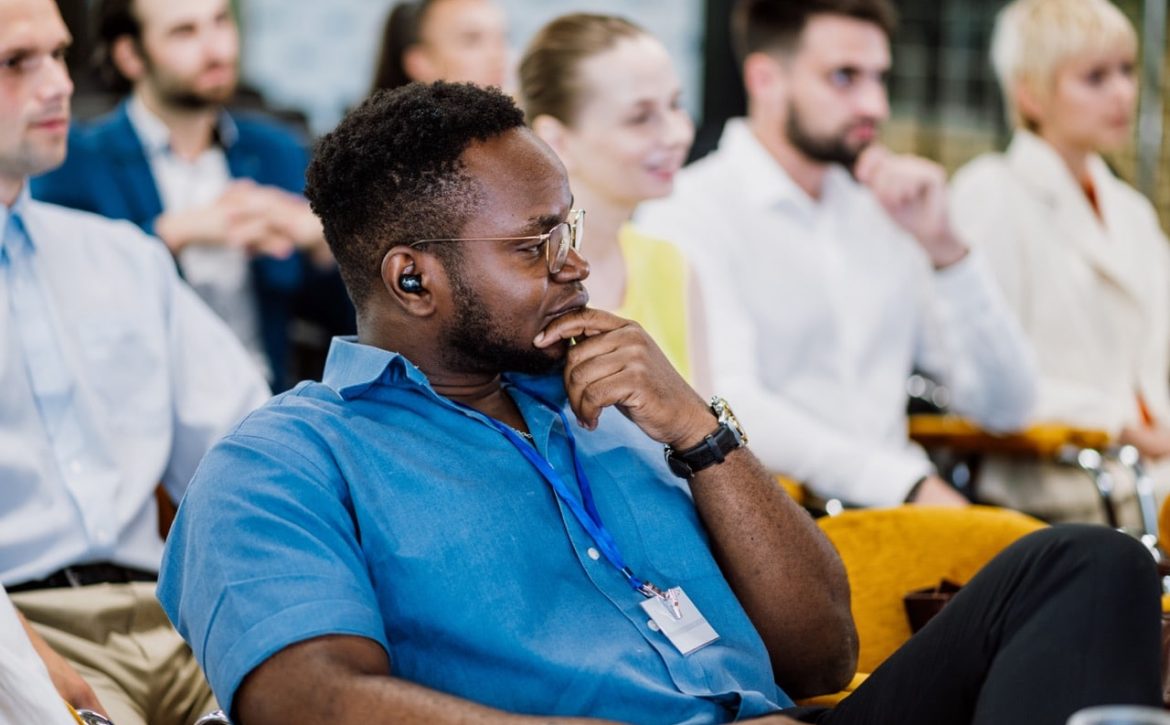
[
  {"x": 215, "y": 382},
  {"x": 26, "y": 692},
  {"x": 784, "y": 437},
  {"x": 972, "y": 342}
]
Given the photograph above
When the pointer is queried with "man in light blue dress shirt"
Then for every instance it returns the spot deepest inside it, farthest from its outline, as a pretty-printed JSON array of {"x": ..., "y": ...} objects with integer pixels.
[
  {"x": 114, "y": 381},
  {"x": 470, "y": 519}
]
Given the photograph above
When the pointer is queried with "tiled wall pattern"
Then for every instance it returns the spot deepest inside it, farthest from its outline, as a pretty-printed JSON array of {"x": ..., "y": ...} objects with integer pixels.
[{"x": 318, "y": 56}]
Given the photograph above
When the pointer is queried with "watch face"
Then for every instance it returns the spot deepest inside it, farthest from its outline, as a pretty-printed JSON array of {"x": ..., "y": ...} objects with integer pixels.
[{"x": 725, "y": 415}]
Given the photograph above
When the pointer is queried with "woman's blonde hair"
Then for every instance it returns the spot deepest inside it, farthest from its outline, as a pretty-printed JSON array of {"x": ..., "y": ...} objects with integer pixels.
[
  {"x": 1032, "y": 38},
  {"x": 549, "y": 82}
]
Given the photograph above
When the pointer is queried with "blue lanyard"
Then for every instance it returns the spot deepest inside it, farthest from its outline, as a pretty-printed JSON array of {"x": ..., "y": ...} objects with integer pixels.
[{"x": 584, "y": 509}]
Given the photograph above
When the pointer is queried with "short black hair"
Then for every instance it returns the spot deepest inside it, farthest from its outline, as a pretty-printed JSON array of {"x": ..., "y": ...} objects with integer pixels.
[
  {"x": 113, "y": 19},
  {"x": 391, "y": 172},
  {"x": 767, "y": 26}
]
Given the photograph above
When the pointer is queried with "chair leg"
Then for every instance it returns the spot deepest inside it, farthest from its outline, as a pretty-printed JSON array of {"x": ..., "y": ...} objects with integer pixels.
[
  {"x": 1129, "y": 457},
  {"x": 1090, "y": 461}
]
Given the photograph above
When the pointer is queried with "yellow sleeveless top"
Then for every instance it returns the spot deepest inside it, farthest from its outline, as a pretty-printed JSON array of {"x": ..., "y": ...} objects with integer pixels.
[{"x": 656, "y": 294}]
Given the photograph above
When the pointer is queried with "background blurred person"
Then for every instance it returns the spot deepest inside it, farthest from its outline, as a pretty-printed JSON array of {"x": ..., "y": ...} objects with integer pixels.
[
  {"x": 114, "y": 377},
  {"x": 604, "y": 95},
  {"x": 451, "y": 40},
  {"x": 1078, "y": 253},
  {"x": 223, "y": 191},
  {"x": 830, "y": 268}
]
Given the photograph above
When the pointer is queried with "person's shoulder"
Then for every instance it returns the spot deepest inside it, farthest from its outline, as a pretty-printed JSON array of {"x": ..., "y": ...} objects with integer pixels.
[
  {"x": 985, "y": 173},
  {"x": 259, "y": 129},
  {"x": 99, "y": 240}
]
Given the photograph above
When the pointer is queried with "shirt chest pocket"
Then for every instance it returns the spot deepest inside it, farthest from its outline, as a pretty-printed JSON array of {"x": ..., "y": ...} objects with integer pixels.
[{"x": 124, "y": 370}]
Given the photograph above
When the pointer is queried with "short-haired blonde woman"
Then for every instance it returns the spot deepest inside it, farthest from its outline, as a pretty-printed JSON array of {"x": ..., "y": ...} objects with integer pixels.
[
  {"x": 603, "y": 93},
  {"x": 1079, "y": 254}
]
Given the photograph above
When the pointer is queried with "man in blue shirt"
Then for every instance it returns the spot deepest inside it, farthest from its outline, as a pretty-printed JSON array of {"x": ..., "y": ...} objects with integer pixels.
[{"x": 471, "y": 519}]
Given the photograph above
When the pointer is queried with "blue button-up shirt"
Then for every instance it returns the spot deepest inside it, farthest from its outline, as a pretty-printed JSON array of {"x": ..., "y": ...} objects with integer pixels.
[
  {"x": 369, "y": 505},
  {"x": 142, "y": 378}
]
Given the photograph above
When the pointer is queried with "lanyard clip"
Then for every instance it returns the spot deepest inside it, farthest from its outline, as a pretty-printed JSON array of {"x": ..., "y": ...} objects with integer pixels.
[{"x": 669, "y": 598}]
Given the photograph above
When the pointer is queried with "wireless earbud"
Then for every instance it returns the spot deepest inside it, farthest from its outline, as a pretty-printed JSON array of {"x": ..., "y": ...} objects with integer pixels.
[{"x": 410, "y": 283}]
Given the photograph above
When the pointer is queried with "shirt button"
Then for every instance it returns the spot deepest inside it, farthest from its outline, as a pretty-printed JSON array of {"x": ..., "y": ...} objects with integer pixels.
[
  {"x": 594, "y": 554},
  {"x": 652, "y": 625},
  {"x": 75, "y": 467},
  {"x": 103, "y": 536}
]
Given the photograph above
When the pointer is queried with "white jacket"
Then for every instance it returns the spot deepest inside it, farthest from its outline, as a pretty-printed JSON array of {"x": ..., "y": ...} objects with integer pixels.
[{"x": 1092, "y": 294}]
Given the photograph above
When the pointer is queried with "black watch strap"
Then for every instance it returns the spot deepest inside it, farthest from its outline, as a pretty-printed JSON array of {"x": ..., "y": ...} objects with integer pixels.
[{"x": 711, "y": 450}]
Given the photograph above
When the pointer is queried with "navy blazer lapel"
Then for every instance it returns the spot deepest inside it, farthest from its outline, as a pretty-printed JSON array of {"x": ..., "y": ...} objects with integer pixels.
[{"x": 132, "y": 167}]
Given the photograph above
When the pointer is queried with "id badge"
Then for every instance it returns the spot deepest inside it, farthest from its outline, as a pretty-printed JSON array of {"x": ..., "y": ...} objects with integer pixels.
[{"x": 684, "y": 625}]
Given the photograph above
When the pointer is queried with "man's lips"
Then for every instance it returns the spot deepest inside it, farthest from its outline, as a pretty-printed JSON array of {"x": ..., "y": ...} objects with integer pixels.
[
  {"x": 578, "y": 301},
  {"x": 56, "y": 123}
]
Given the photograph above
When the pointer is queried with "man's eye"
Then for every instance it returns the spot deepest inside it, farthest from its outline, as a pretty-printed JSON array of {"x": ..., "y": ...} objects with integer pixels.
[{"x": 842, "y": 78}]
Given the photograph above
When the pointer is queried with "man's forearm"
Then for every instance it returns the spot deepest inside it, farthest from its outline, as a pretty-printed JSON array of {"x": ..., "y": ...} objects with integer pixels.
[
  {"x": 342, "y": 680},
  {"x": 784, "y": 571}
]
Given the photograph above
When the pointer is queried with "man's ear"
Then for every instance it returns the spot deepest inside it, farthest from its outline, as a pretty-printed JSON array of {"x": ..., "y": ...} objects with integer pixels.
[
  {"x": 556, "y": 135},
  {"x": 418, "y": 65},
  {"x": 127, "y": 58},
  {"x": 412, "y": 280},
  {"x": 763, "y": 77}
]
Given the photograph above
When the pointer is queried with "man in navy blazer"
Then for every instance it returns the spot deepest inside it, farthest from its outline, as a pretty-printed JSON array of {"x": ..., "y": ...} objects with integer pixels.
[{"x": 223, "y": 191}]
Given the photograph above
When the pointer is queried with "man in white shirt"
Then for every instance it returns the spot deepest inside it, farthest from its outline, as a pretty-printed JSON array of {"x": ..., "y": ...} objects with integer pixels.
[
  {"x": 114, "y": 378},
  {"x": 830, "y": 266}
]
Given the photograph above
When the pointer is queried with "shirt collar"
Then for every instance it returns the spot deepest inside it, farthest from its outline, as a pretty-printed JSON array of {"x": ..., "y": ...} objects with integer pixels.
[
  {"x": 19, "y": 209},
  {"x": 156, "y": 137},
  {"x": 765, "y": 182},
  {"x": 352, "y": 369}
]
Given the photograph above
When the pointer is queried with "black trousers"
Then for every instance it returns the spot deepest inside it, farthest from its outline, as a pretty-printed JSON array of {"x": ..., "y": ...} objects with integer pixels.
[{"x": 1065, "y": 618}]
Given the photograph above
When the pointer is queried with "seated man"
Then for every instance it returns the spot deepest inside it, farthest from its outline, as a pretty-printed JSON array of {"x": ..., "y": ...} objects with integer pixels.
[
  {"x": 829, "y": 267},
  {"x": 222, "y": 190},
  {"x": 114, "y": 377},
  {"x": 454, "y": 526}
]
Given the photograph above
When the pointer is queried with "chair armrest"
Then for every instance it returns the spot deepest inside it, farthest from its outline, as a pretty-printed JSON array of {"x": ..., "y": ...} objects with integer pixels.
[{"x": 1044, "y": 440}]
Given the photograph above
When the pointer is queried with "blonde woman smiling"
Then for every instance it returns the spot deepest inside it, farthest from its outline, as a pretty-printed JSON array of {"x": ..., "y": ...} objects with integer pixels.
[{"x": 604, "y": 95}]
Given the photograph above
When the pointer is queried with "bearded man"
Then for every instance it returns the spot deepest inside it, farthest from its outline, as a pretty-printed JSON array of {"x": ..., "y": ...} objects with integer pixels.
[
  {"x": 830, "y": 268},
  {"x": 222, "y": 190}
]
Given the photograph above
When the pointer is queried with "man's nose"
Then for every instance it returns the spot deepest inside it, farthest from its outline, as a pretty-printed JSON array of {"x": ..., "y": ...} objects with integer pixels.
[
  {"x": 56, "y": 84},
  {"x": 873, "y": 101},
  {"x": 576, "y": 268}
]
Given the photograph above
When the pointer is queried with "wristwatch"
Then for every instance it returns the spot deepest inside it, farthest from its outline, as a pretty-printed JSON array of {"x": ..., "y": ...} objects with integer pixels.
[{"x": 713, "y": 449}]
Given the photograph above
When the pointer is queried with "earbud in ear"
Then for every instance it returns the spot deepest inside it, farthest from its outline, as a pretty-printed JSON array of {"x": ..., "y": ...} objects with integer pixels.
[{"x": 411, "y": 283}]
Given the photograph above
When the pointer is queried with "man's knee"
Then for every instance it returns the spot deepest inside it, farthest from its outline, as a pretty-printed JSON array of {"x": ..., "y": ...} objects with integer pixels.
[{"x": 1107, "y": 557}]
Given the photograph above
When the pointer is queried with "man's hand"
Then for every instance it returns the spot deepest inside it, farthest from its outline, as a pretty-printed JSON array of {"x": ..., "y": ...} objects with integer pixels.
[
  {"x": 615, "y": 362},
  {"x": 773, "y": 720},
  {"x": 913, "y": 192},
  {"x": 1152, "y": 443},
  {"x": 66, "y": 680},
  {"x": 934, "y": 491},
  {"x": 244, "y": 217}
]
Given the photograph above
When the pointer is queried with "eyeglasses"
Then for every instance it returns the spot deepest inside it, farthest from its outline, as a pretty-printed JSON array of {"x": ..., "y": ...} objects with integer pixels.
[{"x": 557, "y": 241}]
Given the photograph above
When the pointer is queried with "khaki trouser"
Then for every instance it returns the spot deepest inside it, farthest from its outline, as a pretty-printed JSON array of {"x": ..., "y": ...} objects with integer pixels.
[{"x": 121, "y": 642}]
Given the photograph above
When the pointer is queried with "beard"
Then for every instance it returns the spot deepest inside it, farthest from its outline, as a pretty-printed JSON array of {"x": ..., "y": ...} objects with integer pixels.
[
  {"x": 476, "y": 343},
  {"x": 179, "y": 93},
  {"x": 833, "y": 149}
]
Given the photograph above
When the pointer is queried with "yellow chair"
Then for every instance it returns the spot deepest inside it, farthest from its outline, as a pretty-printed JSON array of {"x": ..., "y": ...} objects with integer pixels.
[
  {"x": 1086, "y": 449},
  {"x": 890, "y": 552}
]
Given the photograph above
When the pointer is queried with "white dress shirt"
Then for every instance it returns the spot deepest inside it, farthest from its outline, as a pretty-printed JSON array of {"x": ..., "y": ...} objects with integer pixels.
[
  {"x": 221, "y": 276},
  {"x": 818, "y": 310},
  {"x": 152, "y": 379},
  {"x": 26, "y": 692}
]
